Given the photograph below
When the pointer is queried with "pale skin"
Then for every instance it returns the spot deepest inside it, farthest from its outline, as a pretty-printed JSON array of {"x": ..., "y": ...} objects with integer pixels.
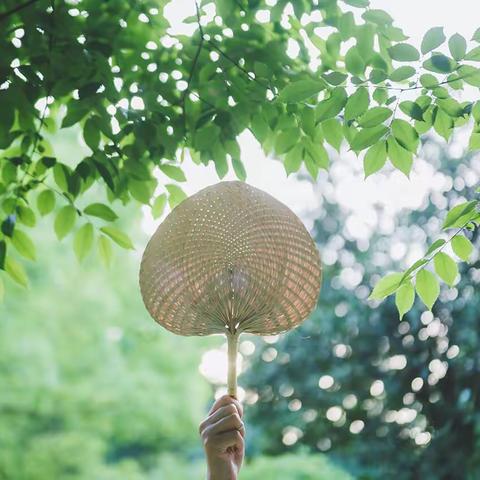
[{"x": 223, "y": 437}]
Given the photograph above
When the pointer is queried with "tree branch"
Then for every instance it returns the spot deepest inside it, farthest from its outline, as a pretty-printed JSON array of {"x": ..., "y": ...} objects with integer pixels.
[
  {"x": 16, "y": 9},
  {"x": 194, "y": 65}
]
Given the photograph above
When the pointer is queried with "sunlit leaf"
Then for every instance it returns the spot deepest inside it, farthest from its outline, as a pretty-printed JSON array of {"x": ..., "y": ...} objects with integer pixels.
[
  {"x": 375, "y": 158},
  {"x": 301, "y": 90},
  {"x": 462, "y": 247},
  {"x": 386, "y": 286},
  {"x": 105, "y": 250},
  {"x": 119, "y": 237},
  {"x": 45, "y": 202},
  {"x": 16, "y": 271},
  {"x": 174, "y": 172},
  {"x": 458, "y": 46},
  {"x": 404, "y": 298},
  {"x": 23, "y": 244},
  {"x": 83, "y": 240},
  {"x": 101, "y": 210},
  {"x": 445, "y": 267},
  {"x": 432, "y": 39},
  {"x": 64, "y": 221},
  {"x": 357, "y": 104},
  {"x": 403, "y": 52},
  {"x": 427, "y": 287}
]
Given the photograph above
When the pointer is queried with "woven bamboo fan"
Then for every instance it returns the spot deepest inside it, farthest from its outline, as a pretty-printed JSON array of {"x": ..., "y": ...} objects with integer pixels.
[{"x": 230, "y": 259}]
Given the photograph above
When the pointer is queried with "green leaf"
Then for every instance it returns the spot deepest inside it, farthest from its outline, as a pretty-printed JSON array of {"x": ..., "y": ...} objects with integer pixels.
[
  {"x": 404, "y": 298},
  {"x": 16, "y": 271},
  {"x": 286, "y": 140},
  {"x": 335, "y": 78},
  {"x": 403, "y": 52},
  {"x": 414, "y": 266},
  {"x": 457, "y": 46},
  {"x": 259, "y": 127},
  {"x": 301, "y": 90},
  {"x": 358, "y": 3},
  {"x": 141, "y": 190},
  {"x": 45, "y": 202},
  {"x": 474, "y": 142},
  {"x": 333, "y": 132},
  {"x": 401, "y": 159},
  {"x": 101, "y": 210},
  {"x": 105, "y": 250},
  {"x": 434, "y": 246},
  {"x": 379, "y": 17},
  {"x": 443, "y": 124},
  {"x": 402, "y": 73},
  {"x": 470, "y": 75},
  {"x": 432, "y": 39},
  {"x": 26, "y": 216},
  {"x": 445, "y": 267},
  {"x": 8, "y": 225},
  {"x": 429, "y": 81},
  {"x": 23, "y": 244},
  {"x": 462, "y": 247},
  {"x": 91, "y": 133},
  {"x": 460, "y": 215},
  {"x": 411, "y": 109},
  {"x": 368, "y": 136},
  {"x": 375, "y": 158},
  {"x": 159, "y": 205},
  {"x": 174, "y": 172},
  {"x": 439, "y": 63},
  {"x": 83, "y": 240},
  {"x": 3, "y": 254},
  {"x": 239, "y": 168},
  {"x": 405, "y": 135},
  {"x": 427, "y": 287},
  {"x": 451, "y": 107},
  {"x": 293, "y": 159},
  {"x": 476, "y": 111},
  {"x": 176, "y": 195},
  {"x": 374, "y": 117},
  {"x": 386, "y": 286},
  {"x": 473, "y": 55},
  {"x": 2, "y": 290},
  {"x": 119, "y": 237},
  {"x": 357, "y": 104},
  {"x": 331, "y": 106},
  {"x": 354, "y": 62},
  {"x": 220, "y": 159},
  {"x": 317, "y": 153},
  {"x": 64, "y": 221},
  {"x": 104, "y": 173}
]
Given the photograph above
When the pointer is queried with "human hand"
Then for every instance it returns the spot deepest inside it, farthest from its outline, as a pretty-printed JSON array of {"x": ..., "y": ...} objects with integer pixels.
[{"x": 223, "y": 433}]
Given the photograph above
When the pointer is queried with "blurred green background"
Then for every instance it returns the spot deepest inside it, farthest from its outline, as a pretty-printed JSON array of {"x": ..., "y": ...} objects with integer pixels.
[{"x": 91, "y": 388}]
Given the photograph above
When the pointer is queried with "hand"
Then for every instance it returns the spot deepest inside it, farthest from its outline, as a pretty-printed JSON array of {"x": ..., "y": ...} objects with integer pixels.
[{"x": 223, "y": 436}]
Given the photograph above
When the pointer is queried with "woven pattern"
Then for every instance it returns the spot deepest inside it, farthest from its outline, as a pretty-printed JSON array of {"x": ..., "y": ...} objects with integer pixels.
[{"x": 230, "y": 259}]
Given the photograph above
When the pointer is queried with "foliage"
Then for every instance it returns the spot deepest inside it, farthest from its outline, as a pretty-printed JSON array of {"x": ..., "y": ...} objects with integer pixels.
[
  {"x": 92, "y": 388},
  {"x": 391, "y": 399},
  {"x": 144, "y": 96}
]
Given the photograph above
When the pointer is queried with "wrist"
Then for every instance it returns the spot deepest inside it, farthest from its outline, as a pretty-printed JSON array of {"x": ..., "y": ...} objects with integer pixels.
[{"x": 223, "y": 472}]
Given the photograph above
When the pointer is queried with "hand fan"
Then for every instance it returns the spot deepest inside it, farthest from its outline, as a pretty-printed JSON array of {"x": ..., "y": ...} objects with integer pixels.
[{"x": 230, "y": 259}]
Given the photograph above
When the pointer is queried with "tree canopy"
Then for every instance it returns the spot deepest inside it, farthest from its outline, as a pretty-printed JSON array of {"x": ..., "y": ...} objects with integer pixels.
[{"x": 304, "y": 77}]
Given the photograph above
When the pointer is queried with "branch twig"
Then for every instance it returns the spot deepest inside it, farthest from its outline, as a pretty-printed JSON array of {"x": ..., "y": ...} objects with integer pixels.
[{"x": 16, "y": 9}]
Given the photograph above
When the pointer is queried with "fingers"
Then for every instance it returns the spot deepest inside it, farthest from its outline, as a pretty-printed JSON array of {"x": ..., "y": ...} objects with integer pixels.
[
  {"x": 221, "y": 412},
  {"x": 227, "y": 400},
  {"x": 225, "y": 440},
  {"x": 226, "y": 424},
  {"x": 224, "y": 419}
]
